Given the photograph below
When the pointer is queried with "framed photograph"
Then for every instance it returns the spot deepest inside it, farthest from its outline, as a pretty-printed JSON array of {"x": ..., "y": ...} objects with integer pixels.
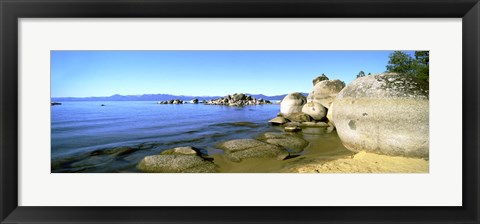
[{"x": 225, "y": 111}]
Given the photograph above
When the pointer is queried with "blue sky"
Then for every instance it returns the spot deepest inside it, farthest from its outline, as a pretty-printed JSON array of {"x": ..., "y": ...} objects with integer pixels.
[{"x": 203, "y": 73}]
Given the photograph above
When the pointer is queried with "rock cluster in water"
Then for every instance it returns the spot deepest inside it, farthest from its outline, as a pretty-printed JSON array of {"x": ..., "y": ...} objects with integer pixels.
[
  {"x": 237, "y": 99},
  {"x": 177, "y": 101}
]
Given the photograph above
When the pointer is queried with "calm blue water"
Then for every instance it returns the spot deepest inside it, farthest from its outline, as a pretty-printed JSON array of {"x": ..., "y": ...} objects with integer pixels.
[{"x": 86, "y": 136}]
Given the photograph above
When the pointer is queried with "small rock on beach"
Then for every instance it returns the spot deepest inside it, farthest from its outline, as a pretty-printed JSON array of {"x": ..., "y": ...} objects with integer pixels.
[
  {"x": 239, "y": 149},
  {"x": 176, "y": 164}
]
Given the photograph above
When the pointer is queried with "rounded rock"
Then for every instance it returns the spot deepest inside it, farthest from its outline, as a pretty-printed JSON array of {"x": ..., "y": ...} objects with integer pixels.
[
  {"x": 186, "y": 150},
  {"x": 315, "y": 110},
  {"x": 176, "y": 164},
  {"x": 385, "y": 114},
  {"x": 324, "y": 92},
  {"x": 239, "y": 149},
  {"x": 287, "y": 140},
  {"x": 292, "y": 103}
]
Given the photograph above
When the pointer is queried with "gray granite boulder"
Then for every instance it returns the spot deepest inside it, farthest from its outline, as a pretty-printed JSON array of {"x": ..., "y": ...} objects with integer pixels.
[
  {"x": 286, "y": 140},
  {"x": 324, "y": 92},
  {"x": 176, "y": 164},
  {"x": 239, "y": 149},
  {"x": 385, "y": 114},
  {"x": 315, "y": 110},
  {"x": 292, "y": 103},
  {"x": 186, "y": 150}
]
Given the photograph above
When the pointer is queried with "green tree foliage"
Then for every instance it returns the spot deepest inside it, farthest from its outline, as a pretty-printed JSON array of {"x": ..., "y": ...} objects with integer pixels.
[
  {"x": 360, "y": 74},
  {"x": 403, "y": 63},
  {"x": 422, "y": 64}
]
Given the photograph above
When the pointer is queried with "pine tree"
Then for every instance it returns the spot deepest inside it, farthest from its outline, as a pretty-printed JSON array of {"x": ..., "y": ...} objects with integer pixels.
[
  {"x": 360, "y": 74},
  {"x": 403, "y": 63}
]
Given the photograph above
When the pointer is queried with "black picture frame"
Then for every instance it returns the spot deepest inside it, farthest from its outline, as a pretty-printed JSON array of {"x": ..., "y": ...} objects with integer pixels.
[{"x": 12, "y": 10}]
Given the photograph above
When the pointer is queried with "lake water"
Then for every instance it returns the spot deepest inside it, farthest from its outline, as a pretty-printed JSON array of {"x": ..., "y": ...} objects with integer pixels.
[{"x": 86, "y": 136}]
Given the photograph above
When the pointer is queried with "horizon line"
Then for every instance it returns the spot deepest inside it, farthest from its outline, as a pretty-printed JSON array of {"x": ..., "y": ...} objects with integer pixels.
[{"x": 167, "y": 94}]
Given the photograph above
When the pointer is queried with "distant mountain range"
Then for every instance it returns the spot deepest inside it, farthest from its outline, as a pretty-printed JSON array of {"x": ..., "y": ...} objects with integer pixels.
[{"x": 157, "y": 97}]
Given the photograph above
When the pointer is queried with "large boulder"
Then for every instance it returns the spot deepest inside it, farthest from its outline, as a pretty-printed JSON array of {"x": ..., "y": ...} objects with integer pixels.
[
  {"x": 315, "y": 110},
  {"x": 385, "y": 114},
  {"x": 329, "y": 112},
  {"x": 292, "y": 103},
  {"x": 176, "y": 164},
  {"x": 319, "y": 79},
  {"x": 239, "y": 149},
  {"x": 324, "y": 92},
  {"x": 286, "y": 140}
]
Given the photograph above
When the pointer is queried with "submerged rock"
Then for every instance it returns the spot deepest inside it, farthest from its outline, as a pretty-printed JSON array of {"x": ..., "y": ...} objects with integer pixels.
[
  {"x": 289, "y": 141},
  {"x": 292, "y": 103},
  {"x": 239, "y": 149},
  {"x": 386, "y": 114},
  {"x": 324, "y": 92},
  {"x": 117, "y": 151},
  {"x": 176, "y": 164}
]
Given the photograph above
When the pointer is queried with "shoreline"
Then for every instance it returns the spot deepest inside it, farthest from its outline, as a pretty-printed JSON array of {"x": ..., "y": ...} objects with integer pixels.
[{"x": 317, "y": 159}]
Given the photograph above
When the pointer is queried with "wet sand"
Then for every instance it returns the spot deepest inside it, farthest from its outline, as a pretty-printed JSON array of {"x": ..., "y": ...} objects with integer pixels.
[{"x": 325, "y": 154}]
